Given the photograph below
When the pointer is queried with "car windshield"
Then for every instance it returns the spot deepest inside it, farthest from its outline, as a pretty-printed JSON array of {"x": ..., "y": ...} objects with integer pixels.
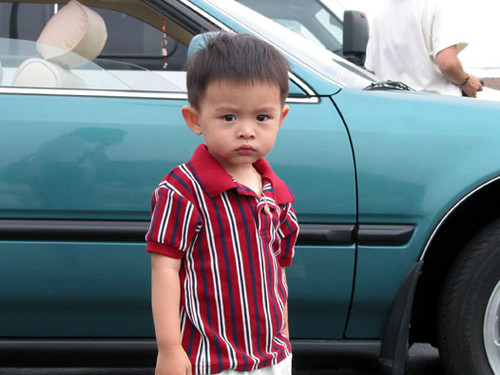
[
  {"x": 314, "y": 22},
  {"x": 320, "y": 59}
]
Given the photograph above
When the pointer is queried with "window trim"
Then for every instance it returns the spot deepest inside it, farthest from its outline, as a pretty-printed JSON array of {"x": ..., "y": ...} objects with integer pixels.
[{"x": 124, "y": 94}]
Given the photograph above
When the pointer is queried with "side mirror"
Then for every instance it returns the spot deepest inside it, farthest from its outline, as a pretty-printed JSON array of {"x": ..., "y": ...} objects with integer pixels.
[{"x": 355, "y": 38}]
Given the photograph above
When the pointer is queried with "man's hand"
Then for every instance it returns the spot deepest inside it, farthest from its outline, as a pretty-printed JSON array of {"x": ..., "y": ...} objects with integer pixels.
[
  {"x": 452, "y": 70},
  {"x": 472, "y": 86}
]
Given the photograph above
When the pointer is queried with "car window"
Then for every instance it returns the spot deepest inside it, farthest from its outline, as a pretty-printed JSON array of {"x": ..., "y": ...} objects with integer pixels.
[
  {"x": 132, "y": 48},
  {"x": 315, "y": 21},
  {"x": 24, "y": 20},
  {"x": 24, "y": 66},
  {"x": 134, "y": 41},
  {"x": 331, "y": 25},
  {"x": 299, "y": 28},
  {"x": 130, "y": 40},
  {"x": 133, "y": 56}
]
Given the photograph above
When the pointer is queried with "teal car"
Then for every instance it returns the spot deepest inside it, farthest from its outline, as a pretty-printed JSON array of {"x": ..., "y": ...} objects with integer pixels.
[{"x": 397, "y": 192}]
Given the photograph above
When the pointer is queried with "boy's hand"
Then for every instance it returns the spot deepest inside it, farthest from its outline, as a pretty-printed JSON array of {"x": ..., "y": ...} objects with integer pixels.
[
  {"x": 286, "y": 330},
  {"x": 173, "y": 360}
]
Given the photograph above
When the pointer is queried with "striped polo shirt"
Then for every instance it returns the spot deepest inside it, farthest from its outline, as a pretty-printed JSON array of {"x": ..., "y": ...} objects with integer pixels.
[{"x": 233, "y": 244}]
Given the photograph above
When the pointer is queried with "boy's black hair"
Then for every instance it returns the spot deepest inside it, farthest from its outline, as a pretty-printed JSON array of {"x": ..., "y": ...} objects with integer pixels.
[{"x": 237, "y": 58}]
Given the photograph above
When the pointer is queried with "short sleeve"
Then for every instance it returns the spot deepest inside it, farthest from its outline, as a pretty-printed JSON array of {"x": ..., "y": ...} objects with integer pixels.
[
  {"x": 447, "y": 29},
  {"x": 288, "y": 232},
  {"x": 175, "y": 223}
]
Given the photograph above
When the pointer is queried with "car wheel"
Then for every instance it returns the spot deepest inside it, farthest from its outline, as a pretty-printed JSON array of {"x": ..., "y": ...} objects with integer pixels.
[{"x": 468, "y": 322}]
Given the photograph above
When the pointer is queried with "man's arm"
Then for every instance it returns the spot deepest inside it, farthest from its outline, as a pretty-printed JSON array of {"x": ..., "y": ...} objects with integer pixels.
[
  {"x": 165, "y": 298},
  {"x": 452, "y": 69}
]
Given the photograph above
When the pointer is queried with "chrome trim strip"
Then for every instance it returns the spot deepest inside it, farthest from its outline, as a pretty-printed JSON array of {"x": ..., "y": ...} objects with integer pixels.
[
  {"x": 307, "y": 100},
  {"x": 312, "y": 97},
  {"x": 452, "y": 209},
  {"x": 93, "y": 93},
  {"x": 119, "y": 94}
]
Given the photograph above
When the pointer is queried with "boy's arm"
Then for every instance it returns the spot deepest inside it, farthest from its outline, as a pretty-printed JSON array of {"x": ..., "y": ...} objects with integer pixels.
[
  {"x": 286, "y": 330},
  {"x": 165, "y": 298}
]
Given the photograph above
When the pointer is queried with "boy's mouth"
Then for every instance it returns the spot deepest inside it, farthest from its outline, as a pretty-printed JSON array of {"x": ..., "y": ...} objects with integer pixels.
[{"x": 245, "y": 150}]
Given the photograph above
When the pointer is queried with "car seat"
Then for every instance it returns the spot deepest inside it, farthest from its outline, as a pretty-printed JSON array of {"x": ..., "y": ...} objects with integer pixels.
[{"x": 74, "y": 35}]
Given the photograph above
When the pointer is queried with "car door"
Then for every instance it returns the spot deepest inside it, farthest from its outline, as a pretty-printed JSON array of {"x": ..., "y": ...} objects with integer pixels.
[{"x": 77, "y": 169}]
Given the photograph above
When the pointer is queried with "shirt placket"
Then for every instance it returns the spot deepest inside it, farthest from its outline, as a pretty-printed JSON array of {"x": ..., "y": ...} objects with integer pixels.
[{"x": 265, "y": 212}]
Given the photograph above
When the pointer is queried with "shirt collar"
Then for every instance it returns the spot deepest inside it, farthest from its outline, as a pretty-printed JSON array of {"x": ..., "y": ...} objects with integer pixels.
[{"x": 216, "y": 180}]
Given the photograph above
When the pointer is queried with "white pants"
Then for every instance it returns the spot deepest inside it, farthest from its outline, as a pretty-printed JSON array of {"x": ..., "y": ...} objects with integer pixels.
[{"x": 282, "y": 368}]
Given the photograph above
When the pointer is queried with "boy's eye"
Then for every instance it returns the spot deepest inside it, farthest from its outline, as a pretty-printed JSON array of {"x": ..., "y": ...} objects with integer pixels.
[
  {"x": 262, "y": 118},
  {"x": 229, "y": 117}
]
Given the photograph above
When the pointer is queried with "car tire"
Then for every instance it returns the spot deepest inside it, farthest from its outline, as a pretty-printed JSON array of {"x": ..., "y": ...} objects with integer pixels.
[{"x": 468, "y": 320}]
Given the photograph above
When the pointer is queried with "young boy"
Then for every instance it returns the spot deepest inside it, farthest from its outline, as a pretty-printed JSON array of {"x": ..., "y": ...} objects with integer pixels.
[{"x": 223, "y": 228}]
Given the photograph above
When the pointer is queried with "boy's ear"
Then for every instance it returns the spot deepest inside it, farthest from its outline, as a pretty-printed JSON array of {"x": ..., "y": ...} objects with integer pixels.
[
  {"x": 284, "y": 112},
  {"x": 192, "y": 119}
]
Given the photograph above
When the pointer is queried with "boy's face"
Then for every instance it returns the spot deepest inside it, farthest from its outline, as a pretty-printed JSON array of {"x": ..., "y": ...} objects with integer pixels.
[{"x": 239, "y": 122}]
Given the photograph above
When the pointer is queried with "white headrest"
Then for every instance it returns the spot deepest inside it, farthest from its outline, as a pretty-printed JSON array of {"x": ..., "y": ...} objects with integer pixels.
[
  {"x": 74, "y": 28},
  {"x": 41, "y": 73}
]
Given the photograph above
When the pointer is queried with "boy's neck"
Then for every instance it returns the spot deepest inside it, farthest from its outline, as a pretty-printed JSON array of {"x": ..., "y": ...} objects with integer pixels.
[
  {"x": 245, "y": 174},
  {"x": 249, "y": 177}
]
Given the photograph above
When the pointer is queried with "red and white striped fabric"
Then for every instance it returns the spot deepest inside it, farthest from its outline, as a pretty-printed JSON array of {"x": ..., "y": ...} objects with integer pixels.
[{"x": 233, "y": 248}]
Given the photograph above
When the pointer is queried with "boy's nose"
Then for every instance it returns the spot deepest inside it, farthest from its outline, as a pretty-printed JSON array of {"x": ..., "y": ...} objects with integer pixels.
[{"x": 246, "y": 130}]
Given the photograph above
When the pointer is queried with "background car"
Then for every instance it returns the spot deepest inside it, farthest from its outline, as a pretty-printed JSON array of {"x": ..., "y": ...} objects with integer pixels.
[
  {"x": 327, "y": 23},
  {"x": 396, "y": 193}
]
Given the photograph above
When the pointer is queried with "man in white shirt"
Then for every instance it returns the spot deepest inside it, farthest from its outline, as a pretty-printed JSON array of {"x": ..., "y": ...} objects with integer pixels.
[{"x": 417, "y": 42}]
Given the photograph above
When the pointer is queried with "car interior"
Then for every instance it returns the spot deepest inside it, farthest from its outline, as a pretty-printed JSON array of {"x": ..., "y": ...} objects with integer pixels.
[
  {"x": 75, "y": 31},
  {"x": 134, "y": 27},
  {"x": 116, "y": 35}
]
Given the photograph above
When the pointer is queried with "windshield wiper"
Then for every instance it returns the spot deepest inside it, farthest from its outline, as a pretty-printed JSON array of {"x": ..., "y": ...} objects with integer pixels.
[{"x": 388, "y": 85}]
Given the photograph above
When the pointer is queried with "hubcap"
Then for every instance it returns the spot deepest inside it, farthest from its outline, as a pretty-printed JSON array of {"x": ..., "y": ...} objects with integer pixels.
[{"x": 491, "y": 330}]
